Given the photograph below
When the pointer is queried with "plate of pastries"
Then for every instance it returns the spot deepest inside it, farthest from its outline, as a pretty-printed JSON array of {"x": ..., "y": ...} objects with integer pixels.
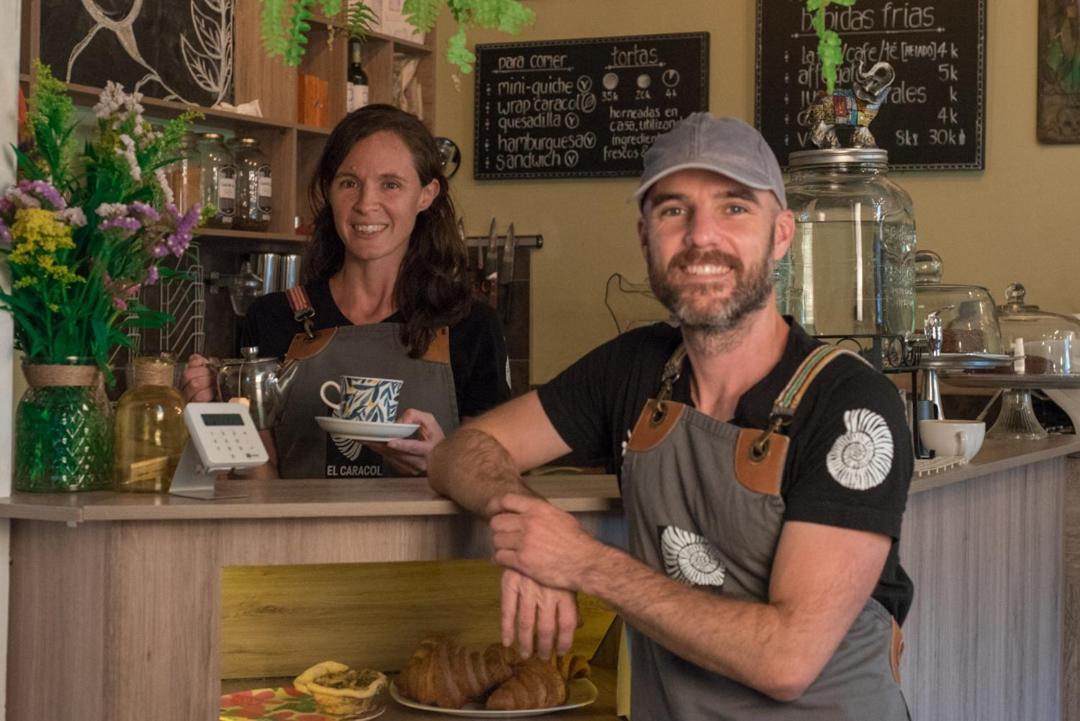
[{"x": 445, "y": 677}]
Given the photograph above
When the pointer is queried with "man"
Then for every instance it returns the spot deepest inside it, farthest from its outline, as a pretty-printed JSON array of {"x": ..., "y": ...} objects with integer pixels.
[{"x": 763, "y": 475}]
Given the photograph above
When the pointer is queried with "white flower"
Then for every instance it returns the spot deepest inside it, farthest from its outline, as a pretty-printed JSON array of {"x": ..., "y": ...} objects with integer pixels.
[
  {"x": 112, "y": 210},
  {"x": 163, "y": 183},
  {"x": 21, "y": 199},
  {"x": 116, "y": 105},
  {"x": 110, "y": 100},
  {"x": 73, "y": 217},
  {"x": 128, "y": 153}
]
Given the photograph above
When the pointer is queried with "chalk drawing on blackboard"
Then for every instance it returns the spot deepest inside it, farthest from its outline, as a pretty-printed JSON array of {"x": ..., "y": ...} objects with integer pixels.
[{"x": 145, "y": 45}]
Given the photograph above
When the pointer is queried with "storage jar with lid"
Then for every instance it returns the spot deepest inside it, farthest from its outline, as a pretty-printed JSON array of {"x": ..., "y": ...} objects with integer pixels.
[
  {"x": 150, "y": 430},
  {"x": 1048, "y": 342},
  {"x": 218, "y": 180},
  {"x": 254, "y": 186},
  {"x": 185, "y": 175},
  {"x": 850, "y": 269},
  {"x": 968, "y": 315}
]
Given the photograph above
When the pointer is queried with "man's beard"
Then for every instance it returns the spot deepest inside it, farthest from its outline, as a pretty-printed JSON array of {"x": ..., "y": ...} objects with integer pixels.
[{"x": 718, "y": 315}]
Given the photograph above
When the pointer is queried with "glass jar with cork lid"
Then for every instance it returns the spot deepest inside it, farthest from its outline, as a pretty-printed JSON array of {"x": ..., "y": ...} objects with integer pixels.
[
  {"x": 150, "y": 430},
  {"x": 254, "y": 186}
]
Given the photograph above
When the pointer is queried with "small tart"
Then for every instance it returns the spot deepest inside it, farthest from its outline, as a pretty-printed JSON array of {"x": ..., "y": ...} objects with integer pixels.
[{"x": 340, "y": 690}]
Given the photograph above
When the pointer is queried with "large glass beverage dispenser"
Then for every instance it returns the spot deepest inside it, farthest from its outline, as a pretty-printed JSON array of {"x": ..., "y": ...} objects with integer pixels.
[{"x": 850, "y": 270}]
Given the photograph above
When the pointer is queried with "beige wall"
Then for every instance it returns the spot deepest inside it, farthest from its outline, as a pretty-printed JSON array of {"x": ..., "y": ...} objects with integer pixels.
[{"x": 1007, "y": 223}]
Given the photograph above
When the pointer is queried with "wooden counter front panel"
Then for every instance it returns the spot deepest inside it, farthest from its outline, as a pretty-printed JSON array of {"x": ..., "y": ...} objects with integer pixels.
[
  {"x": 984, "y": 632},
  {"x": 115, "y": 620}
]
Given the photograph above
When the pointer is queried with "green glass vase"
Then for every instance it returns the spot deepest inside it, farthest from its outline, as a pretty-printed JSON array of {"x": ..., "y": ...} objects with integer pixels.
[{"x": 63, "y": 434}]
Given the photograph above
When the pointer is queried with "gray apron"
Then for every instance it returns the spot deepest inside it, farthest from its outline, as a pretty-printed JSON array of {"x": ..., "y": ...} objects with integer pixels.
[
  {"x": 304, "y": 449},
  {"x": 703, "y": 501}
]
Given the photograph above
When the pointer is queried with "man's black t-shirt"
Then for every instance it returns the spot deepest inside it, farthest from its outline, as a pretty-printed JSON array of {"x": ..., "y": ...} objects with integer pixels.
[
  {"x": 595, "y": 402},
  {"x": 477, "y": 346}
]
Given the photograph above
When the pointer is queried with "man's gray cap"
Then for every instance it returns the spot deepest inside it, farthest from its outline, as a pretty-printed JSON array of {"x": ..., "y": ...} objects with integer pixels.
[{"x": 727, "y": 146}]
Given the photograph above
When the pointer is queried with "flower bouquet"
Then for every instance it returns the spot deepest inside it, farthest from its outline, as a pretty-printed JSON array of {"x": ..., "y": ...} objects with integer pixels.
[{"x": 82, "y": 231}]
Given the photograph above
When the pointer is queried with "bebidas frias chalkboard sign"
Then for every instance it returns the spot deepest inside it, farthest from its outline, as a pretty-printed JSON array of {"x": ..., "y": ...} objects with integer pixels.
[
  {"x": 583, "y": 108},
  {"x": 933, "y": 118}
]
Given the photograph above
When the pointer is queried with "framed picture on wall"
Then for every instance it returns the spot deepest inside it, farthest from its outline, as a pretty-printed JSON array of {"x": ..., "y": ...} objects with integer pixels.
[{"x": 1059, "y": 71}]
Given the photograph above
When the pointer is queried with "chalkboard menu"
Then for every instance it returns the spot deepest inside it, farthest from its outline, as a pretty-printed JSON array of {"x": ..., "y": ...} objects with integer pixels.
[
  {"x": 934, "y": 116},
  {"x": 583, "y": 108}
]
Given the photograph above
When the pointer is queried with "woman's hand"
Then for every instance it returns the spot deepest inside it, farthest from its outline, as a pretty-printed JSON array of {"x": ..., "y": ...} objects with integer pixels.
[
  {"x": 197, "y": 382},
  {"x": 410, "y": 455}
]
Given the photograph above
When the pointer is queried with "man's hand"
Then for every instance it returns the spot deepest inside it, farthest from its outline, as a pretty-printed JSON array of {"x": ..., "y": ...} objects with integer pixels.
[
  {"x": 530, "y": 610},
  {"x": 539, "y": 540},
  {"x": 410, "y": 455}
]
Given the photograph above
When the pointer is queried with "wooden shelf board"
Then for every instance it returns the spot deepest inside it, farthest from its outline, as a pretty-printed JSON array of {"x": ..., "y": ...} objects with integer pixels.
[
  {"x": 317, "y": 130},
  {"x": 376, "y": 35},
  {"x": 86, "y": 94},
  {"x": 408, "y": 46},
  {"x": 603, "y": 678},
  {"x": 250, "y": 235}
]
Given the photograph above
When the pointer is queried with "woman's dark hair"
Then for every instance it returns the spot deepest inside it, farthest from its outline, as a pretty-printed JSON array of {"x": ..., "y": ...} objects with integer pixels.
[{"x": 432, "y": 288}]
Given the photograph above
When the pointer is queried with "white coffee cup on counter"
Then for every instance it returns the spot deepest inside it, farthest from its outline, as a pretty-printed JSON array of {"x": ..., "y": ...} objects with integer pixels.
[{"x": 953, "y": 438}]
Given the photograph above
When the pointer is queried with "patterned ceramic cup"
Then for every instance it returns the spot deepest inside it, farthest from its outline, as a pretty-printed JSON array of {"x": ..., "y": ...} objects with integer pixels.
[{"x": 372, "y": 400}]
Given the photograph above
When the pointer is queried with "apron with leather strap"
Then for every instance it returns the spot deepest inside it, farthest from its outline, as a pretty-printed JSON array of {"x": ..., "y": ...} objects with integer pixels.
[
  {"x": 704, "y": 507},
  {"x": 304, "y": 449}
]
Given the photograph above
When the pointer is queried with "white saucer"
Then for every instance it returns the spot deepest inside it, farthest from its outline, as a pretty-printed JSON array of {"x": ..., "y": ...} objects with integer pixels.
[{"x": 363, "y": 430}]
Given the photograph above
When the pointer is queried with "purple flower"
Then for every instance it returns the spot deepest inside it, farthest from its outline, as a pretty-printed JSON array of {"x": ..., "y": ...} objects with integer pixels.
[
  {"x": 159, "y": 251},
  {"x": 152, "y": 275},
  {"x": 148, "y": 212},
  {"x": 128, "y": 224},
  {"x": 119, "y": 303},
  {"x": 44, "y": 191},
  {"x": 5, "y": 234},
  {"x": 179, "y": 240}
]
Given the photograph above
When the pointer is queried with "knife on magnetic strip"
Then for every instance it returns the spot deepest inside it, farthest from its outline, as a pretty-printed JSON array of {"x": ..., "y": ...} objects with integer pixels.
[{"x": 491, "y": 267}]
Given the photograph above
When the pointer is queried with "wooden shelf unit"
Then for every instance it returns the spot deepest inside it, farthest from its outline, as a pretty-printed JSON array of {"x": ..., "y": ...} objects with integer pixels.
[{"x": 292, "y": 147}]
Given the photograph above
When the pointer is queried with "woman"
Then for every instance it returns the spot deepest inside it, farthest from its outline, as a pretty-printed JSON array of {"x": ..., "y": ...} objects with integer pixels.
[{"x": 387, "y": 271}]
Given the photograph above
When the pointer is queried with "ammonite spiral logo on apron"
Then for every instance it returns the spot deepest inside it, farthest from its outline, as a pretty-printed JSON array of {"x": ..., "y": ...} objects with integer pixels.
[
  {"x": 861, "y": 458},
  {"x": 691, "y": 558}
]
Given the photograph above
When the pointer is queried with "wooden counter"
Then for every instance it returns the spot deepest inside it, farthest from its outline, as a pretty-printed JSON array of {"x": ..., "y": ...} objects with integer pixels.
[{"x": 116, "y": 598}]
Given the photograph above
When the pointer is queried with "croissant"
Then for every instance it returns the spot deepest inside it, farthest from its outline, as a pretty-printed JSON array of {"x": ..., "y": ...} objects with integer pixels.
[
  {"x": 535, "y": 684},
  {"x": 444, "y": 674},
  {"x": 572, "y": 666}
]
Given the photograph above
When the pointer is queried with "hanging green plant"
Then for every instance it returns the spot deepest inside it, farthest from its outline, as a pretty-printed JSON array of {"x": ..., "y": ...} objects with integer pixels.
[
  {"x": 286, "y": 23},
  {"x": 508, "y": 16},
  {"x": 830, "y": 48}
]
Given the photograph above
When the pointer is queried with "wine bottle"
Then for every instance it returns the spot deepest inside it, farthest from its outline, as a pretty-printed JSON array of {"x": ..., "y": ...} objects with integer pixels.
[{"x": 357, "y": 96}]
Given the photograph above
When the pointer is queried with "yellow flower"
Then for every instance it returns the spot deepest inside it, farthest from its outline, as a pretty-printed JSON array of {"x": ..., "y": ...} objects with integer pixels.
[
  {"x": 37, "y": 236},
  {"x": 39, "y": 228}
]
